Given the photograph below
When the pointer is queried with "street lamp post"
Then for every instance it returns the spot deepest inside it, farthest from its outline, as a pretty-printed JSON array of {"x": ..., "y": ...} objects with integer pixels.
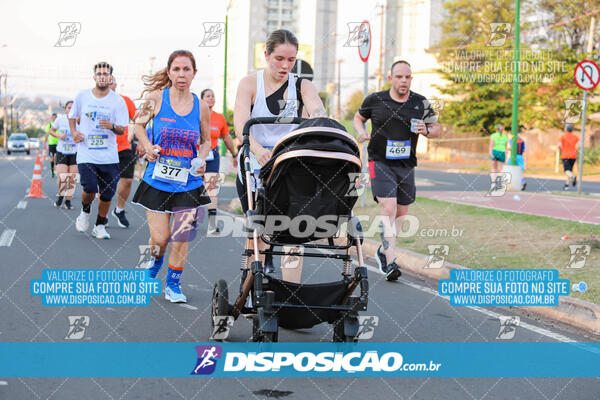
[{"x": 515, "y": 102}]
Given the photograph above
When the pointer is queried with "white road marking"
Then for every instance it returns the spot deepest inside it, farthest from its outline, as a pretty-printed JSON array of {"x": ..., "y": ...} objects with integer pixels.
[
  {"x": 431, "y": 182},
  {"x": 3, "y": 383},
  {"x": 22, "y": 204},
  {"x": 541, "y": 331},
  {"x": 199, "y": 288},
  {"x": 188, "y": 306},
  {"x": 7, "y": 237}
]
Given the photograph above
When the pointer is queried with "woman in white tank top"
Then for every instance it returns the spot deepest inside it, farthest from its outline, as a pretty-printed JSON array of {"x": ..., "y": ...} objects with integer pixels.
[{"x": 252, "y": 100}]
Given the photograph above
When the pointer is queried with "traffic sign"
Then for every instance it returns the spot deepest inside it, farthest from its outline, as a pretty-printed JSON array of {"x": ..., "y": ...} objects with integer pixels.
[
  {"x": 364, "y": 41},
  {"x": 302, "y": 69},
  {"x": 587, "y": 75}
]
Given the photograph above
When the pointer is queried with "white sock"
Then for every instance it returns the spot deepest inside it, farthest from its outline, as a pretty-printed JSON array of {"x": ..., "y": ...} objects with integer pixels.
[{"x": 118, "y": 210}]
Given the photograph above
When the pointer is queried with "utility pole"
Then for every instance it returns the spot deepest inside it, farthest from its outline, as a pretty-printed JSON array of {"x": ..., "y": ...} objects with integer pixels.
[
  {"x": 339, "y": 95},
  {"x": 225, "y": 62},
  {"x": 223, "y": 148},
  {"x": 5, "y": 111},
  {"x": 515, "y": 99},
  {"x": 380, "y": 69},
  {"x": 4, "y": 119},
  {"x": 589, "y": 49},
  {"x": 152, "y": 63}
]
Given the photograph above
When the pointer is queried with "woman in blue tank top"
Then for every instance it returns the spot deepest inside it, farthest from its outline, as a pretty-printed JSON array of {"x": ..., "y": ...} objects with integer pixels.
[{"x": 171, "y": 185}]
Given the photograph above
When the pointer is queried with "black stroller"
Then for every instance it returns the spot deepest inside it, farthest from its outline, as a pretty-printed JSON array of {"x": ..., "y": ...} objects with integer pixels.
[{"x": 307, "y": 175}]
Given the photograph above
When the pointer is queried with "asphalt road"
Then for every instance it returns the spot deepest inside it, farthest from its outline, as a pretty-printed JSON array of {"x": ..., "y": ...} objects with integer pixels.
[
  {"x": 408, "y": 311},
  {"x": 429, "y": 179}
]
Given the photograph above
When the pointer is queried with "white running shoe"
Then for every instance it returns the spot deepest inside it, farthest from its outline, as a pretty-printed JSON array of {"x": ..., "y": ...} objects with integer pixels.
[
  {"x": 212, "y": 230},
  {"x": 174, "y": 295},
  {"x": 99, "y": 232},
  {"x": 82, "y": 223}
]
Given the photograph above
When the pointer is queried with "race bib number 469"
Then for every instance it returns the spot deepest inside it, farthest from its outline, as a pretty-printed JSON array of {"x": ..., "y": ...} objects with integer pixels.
[
  {"x": 397, "y": 149},
  {"x": 97, "y": 141}
]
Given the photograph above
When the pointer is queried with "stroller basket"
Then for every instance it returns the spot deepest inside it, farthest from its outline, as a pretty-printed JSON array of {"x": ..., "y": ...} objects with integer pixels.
[{"x": 308, "y": 298}]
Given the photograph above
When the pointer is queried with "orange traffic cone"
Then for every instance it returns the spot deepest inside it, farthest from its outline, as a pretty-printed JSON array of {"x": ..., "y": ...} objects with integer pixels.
[{"x": 36, "y": 182}]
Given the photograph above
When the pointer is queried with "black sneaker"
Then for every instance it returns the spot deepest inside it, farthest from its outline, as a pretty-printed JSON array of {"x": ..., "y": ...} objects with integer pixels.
[
  {"x": 381, "y": 260},
  {"x": 574, "y": 181},
  {"x": 566, "y": 187},
  {"x": 58, "y": 202},
  {"x": 393, "y": 272},
  {"x": 524, "y": 186},
  {"x": 121, "y": 220},
  {"x": 68, "y": 205}
]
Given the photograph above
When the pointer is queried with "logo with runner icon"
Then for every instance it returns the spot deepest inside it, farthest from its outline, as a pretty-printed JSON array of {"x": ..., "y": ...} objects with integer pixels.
[
  {"x": 579, "y": 253},
  {"x": 508, "y": 327},
  {"x": 499, "y": 32},
  {"x": 573, "y": 110},
  {"x": 437, "y": 255},
  {"x": 212, "y": 34},
  {"x": 366, "y": 326},
  {"x": 207, "y": 359},
  {"x": 499, "y": 184},
  {"x": 68, "y": 34},
  {"x": 358, "y": 183},
  {"x": 77, "y": 326},
  {"x": 146, "y": 253}
]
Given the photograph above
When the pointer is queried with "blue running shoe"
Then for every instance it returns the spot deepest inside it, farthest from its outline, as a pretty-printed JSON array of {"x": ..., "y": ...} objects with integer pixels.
[{"x": 174, "y": 295}]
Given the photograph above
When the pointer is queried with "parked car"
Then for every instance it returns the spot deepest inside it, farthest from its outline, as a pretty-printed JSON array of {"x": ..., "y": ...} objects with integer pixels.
[
  {"x": 34, "y": 144},
  {"x": 18, "y": 142}
]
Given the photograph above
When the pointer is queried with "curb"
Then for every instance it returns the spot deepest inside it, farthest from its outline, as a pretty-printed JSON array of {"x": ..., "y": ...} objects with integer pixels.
[{"x": 575, "y": 312}]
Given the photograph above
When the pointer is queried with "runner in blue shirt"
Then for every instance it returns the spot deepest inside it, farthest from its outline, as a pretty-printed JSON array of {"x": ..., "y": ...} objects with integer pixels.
[{"x": 172, "y": 184}]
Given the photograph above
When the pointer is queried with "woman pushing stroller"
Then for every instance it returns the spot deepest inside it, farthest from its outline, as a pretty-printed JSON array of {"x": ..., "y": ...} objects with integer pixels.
[{"x": 272, "y": 92}]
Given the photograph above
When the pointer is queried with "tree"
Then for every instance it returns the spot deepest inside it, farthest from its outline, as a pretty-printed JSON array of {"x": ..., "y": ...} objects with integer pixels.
[
  {"x": 479, "y": 67},
  {"x": 353, "y": 104}
]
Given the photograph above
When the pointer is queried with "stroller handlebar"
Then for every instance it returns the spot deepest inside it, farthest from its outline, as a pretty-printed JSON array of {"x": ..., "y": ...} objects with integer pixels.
[{"x": 268, "y": 120}]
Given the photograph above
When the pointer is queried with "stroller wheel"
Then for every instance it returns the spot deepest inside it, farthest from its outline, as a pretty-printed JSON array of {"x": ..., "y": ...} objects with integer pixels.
[
  {"x": 220, "y": 301},
  {"x": 338, "y": 332},
  {"x": 260, "y": 336}
]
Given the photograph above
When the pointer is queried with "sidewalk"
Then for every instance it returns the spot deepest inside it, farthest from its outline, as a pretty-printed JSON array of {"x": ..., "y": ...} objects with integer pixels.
[{"x": 546, "y": 205}]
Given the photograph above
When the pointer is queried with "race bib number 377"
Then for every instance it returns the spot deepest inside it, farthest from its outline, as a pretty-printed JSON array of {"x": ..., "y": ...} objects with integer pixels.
[
  {"x": 167, "y": 172},
  {"x": 397, "y": 149}
]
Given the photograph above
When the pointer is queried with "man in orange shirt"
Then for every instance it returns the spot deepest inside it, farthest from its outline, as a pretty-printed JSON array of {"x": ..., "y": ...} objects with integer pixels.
[
  {"x": 568, "y": 144},
  {"x": 218, "y": 129},
  {"x": 127, "y": 162}
]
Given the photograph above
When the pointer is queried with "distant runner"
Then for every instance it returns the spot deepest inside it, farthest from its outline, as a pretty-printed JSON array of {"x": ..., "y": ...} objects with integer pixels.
[
  {"x": 66, "y": 153},
  {"x": 103, "y": 116}
]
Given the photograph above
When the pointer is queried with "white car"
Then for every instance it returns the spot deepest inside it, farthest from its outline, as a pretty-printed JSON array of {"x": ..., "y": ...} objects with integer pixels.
[
  {"x": 18, "y": 142},
  {"x": 34, "y": 144}
]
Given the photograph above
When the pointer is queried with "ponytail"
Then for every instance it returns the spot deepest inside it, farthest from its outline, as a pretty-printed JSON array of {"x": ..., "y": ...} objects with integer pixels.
[{"x": 160, "y": 80}]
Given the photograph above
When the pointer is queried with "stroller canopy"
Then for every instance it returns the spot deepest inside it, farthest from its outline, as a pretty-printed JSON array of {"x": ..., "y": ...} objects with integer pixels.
[{"x": 311, "y": 175}]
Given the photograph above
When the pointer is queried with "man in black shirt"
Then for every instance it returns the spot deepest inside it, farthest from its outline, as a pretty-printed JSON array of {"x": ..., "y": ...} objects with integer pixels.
[{"x": 398, "y": 116}]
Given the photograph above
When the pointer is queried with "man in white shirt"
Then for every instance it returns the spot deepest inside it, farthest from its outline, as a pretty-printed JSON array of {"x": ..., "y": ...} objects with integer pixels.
[{"x": 103, "y": 115}]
